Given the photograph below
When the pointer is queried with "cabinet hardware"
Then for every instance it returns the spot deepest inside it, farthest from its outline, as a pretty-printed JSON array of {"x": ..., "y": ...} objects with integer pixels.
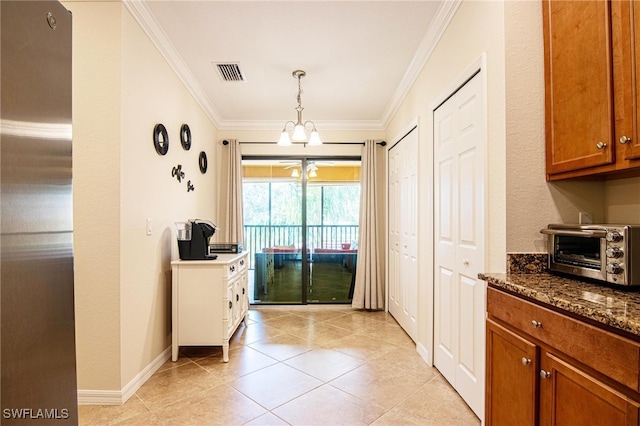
[
  {"x": 232, "y": 268},
  {"x": 242, "y": 262},
  {"x": 242, "y": 290},
  {"x": 544, "y": 374},
  {"x": 536, "y": 324},
  {"x": 230, "y": 304},
  {"x": 624, "y": 140},
  {"x": 526, "y": 361},
  {"x": 237, "y": 297},
  {"x": 601, "y": 145}
]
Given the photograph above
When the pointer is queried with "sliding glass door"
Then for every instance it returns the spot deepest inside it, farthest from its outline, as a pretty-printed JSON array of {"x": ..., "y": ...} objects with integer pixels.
[{"x": 301, "y": 228}]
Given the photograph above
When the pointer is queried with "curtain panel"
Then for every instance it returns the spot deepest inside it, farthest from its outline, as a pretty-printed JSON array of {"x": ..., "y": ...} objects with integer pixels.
[
  {"x": 234, "y": 231},
  {"x": 369, "y": 284}
]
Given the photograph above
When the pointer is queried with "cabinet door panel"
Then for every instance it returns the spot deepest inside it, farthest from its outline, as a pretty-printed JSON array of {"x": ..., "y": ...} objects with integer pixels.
[
  {"x": 569, "y": 396},
  {"x": 511, "y": 378},
  {"x": 578, "y": 82}
]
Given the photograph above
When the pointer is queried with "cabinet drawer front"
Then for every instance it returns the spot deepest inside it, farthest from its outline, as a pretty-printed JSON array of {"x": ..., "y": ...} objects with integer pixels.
[{"x": 612, "y": 355}]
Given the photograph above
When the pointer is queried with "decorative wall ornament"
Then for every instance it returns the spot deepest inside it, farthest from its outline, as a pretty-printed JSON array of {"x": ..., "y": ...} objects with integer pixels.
[
  {"x": 202, "y": 162},
  {"x": 160, "y": 139},
  {"x": 177, "y": 173},
  {"x": 185, "y": 137}
]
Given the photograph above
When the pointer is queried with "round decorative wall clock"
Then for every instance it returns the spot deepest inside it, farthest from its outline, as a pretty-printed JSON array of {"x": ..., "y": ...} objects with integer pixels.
[
  {"x": 185, "y": 137},
  {"x": 160, "y": 139},
  {"x": 202, "y": 161}
]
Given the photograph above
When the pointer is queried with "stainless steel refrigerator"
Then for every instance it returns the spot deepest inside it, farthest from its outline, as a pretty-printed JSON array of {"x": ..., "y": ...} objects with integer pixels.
[{"x": 37, "y": 347}]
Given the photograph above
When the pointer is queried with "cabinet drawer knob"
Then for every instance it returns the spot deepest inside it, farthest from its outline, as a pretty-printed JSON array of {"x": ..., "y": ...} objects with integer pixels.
[
  {"x": 242, "y": 262},
  {"x": 237, "y": 297},
  {"x": 544, "y": 374},
  {"x": 536, "y": 324},
  {"x": 526, "y": 361},
  {"x": 230, "y": 304},
  {"x": 601, "y": 145},
  {"x": 624, "y": 140}
]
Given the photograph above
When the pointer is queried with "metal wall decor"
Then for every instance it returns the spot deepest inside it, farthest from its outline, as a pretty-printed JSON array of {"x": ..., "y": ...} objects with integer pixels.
[
  {"x": 177, "y": 173},
  {"x": 202, "y": 162},
  {"x": 160, "y": 139},
  {"x": 185, "y": 137}
]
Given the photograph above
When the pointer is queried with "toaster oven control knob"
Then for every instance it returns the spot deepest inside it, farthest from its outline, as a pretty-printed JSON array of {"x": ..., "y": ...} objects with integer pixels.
[
  {"x": 614, "y": 236},
  {"x": 614, "y": 252},
  {"x": 614, "y": 268}
]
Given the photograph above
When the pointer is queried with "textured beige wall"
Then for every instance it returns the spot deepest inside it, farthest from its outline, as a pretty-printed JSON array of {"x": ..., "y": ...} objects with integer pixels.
[
  {"x": 622, "y": 201},
  {"x": 96, "y": 192},
  {"x": 532, "y": 203},
  {"x": 476, "y": 28},
  {"x": 122, "y": 88},
  {"x": 152, "y": 93}
]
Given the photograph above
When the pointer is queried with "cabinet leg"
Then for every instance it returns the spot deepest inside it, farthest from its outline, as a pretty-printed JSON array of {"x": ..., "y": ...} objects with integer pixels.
[
  {"x": 174, "y": 353},
  {"x": 225, "y": 352}
]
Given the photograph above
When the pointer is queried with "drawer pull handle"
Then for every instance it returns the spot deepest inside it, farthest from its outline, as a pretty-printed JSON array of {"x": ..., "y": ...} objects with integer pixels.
[
  {"x": 237, "y": 297},
  {"x": 242, "y": 290},
  {"x": 536, "y": 324},
  {"x": 526, "y": 361},
  {"x": 230, "y": 304},
  {"x": 232, "y": 268},
  {"x": 544, "y": 374},
  {"x": 601, "y": 145},
  {"x": 242, "y": 262}
]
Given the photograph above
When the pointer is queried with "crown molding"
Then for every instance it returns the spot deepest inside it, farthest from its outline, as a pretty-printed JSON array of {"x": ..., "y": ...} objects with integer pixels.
[
  {"x": 150, "y": 26},
  {"x": 321, "y": 125},
  {"x": 429, "y": 42}
]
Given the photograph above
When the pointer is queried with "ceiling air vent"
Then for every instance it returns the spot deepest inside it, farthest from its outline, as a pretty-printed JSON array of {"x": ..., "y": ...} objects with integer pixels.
[{"x": 230, "y": 72}]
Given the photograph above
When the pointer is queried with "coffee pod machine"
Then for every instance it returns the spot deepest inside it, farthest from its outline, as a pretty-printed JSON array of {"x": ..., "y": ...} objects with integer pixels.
[{"x": 193, "y": 239}]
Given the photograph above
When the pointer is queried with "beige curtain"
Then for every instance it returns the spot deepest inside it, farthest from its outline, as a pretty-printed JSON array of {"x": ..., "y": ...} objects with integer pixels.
[
  {"x": 234, "y": 231},
  {"x": 369, "y": 284}
]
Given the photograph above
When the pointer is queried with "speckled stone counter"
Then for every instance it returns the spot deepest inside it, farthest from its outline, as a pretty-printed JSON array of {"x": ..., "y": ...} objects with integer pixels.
[{"x": 615, "y": 308}]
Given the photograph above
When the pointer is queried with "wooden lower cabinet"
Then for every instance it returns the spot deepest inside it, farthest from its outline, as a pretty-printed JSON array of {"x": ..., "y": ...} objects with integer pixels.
[
  {"x": 530, "y": 382},
  {"x": 569, "y": 396},
  {"x": 511, "y": 378}
]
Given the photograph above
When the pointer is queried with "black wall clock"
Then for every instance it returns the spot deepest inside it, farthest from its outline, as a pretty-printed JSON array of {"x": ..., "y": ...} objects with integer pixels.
[
  {"x": 160, "y": 139},
  {"x": 202, "y": 161},
  {"x": 185, "y": 137}
]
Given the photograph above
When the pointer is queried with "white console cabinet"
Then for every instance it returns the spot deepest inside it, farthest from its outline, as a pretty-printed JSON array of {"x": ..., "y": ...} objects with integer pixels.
[{"x": 209, "y": 300}]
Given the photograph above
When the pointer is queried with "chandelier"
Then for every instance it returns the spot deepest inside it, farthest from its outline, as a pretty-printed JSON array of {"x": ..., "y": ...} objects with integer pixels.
[{"x": 299, "y": 127}]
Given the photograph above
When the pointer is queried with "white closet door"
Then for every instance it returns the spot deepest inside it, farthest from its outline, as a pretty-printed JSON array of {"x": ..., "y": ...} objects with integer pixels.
[
  {"x": 459, "y": 190},
  {"x": 403, "y": 233}
]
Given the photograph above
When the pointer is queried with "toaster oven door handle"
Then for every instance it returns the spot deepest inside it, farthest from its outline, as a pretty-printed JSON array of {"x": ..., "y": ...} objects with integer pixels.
[{"x": 592, "y": 233}]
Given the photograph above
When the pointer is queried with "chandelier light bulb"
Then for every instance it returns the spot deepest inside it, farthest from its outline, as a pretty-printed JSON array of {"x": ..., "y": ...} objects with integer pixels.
[
  {"x": 284, "y": 139},
  {"x": 314, "y": 139},
  {"x": 299, "y": 133}
]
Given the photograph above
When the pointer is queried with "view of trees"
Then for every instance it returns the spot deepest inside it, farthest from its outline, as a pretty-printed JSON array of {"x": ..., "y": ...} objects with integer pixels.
[{"x": 329, "y": 204}]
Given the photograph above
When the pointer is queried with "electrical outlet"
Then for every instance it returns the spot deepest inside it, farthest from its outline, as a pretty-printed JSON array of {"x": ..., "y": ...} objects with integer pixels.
[
  {"x": 149, "y": 229},
  {"x": 584, "y": 218}
]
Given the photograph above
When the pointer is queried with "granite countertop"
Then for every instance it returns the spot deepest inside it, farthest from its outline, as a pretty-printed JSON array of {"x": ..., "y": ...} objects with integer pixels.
[{"x": 615, "y": 308}]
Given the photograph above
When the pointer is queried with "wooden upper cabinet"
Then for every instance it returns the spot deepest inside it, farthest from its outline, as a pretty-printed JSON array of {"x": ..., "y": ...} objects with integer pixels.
[
  {"x": 578, "y": 83},
  {"x": 592, "y": 83}
]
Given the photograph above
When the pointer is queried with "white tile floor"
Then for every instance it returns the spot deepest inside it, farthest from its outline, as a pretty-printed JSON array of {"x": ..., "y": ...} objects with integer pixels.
[{"x": 308, "y": 365}]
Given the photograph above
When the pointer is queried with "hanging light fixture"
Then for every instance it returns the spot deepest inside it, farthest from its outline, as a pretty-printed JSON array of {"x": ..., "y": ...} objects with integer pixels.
[{"x": 299, "y": 127}]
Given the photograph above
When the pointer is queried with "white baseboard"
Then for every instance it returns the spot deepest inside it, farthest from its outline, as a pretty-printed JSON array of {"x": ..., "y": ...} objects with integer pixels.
[
  {"x": 107, "y": 397},
  {"x": 424, "y": 354}
]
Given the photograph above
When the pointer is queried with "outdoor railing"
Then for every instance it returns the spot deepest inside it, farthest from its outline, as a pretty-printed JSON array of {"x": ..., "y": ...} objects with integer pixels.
[{"x": 257, "y": 237}]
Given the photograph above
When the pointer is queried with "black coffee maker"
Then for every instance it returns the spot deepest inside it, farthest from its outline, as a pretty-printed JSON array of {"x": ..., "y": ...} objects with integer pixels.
[{"x": 193, "y": 239}]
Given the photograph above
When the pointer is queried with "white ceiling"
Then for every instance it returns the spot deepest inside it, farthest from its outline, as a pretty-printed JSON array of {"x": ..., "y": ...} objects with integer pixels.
[{"x": 360, "y": 56}]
